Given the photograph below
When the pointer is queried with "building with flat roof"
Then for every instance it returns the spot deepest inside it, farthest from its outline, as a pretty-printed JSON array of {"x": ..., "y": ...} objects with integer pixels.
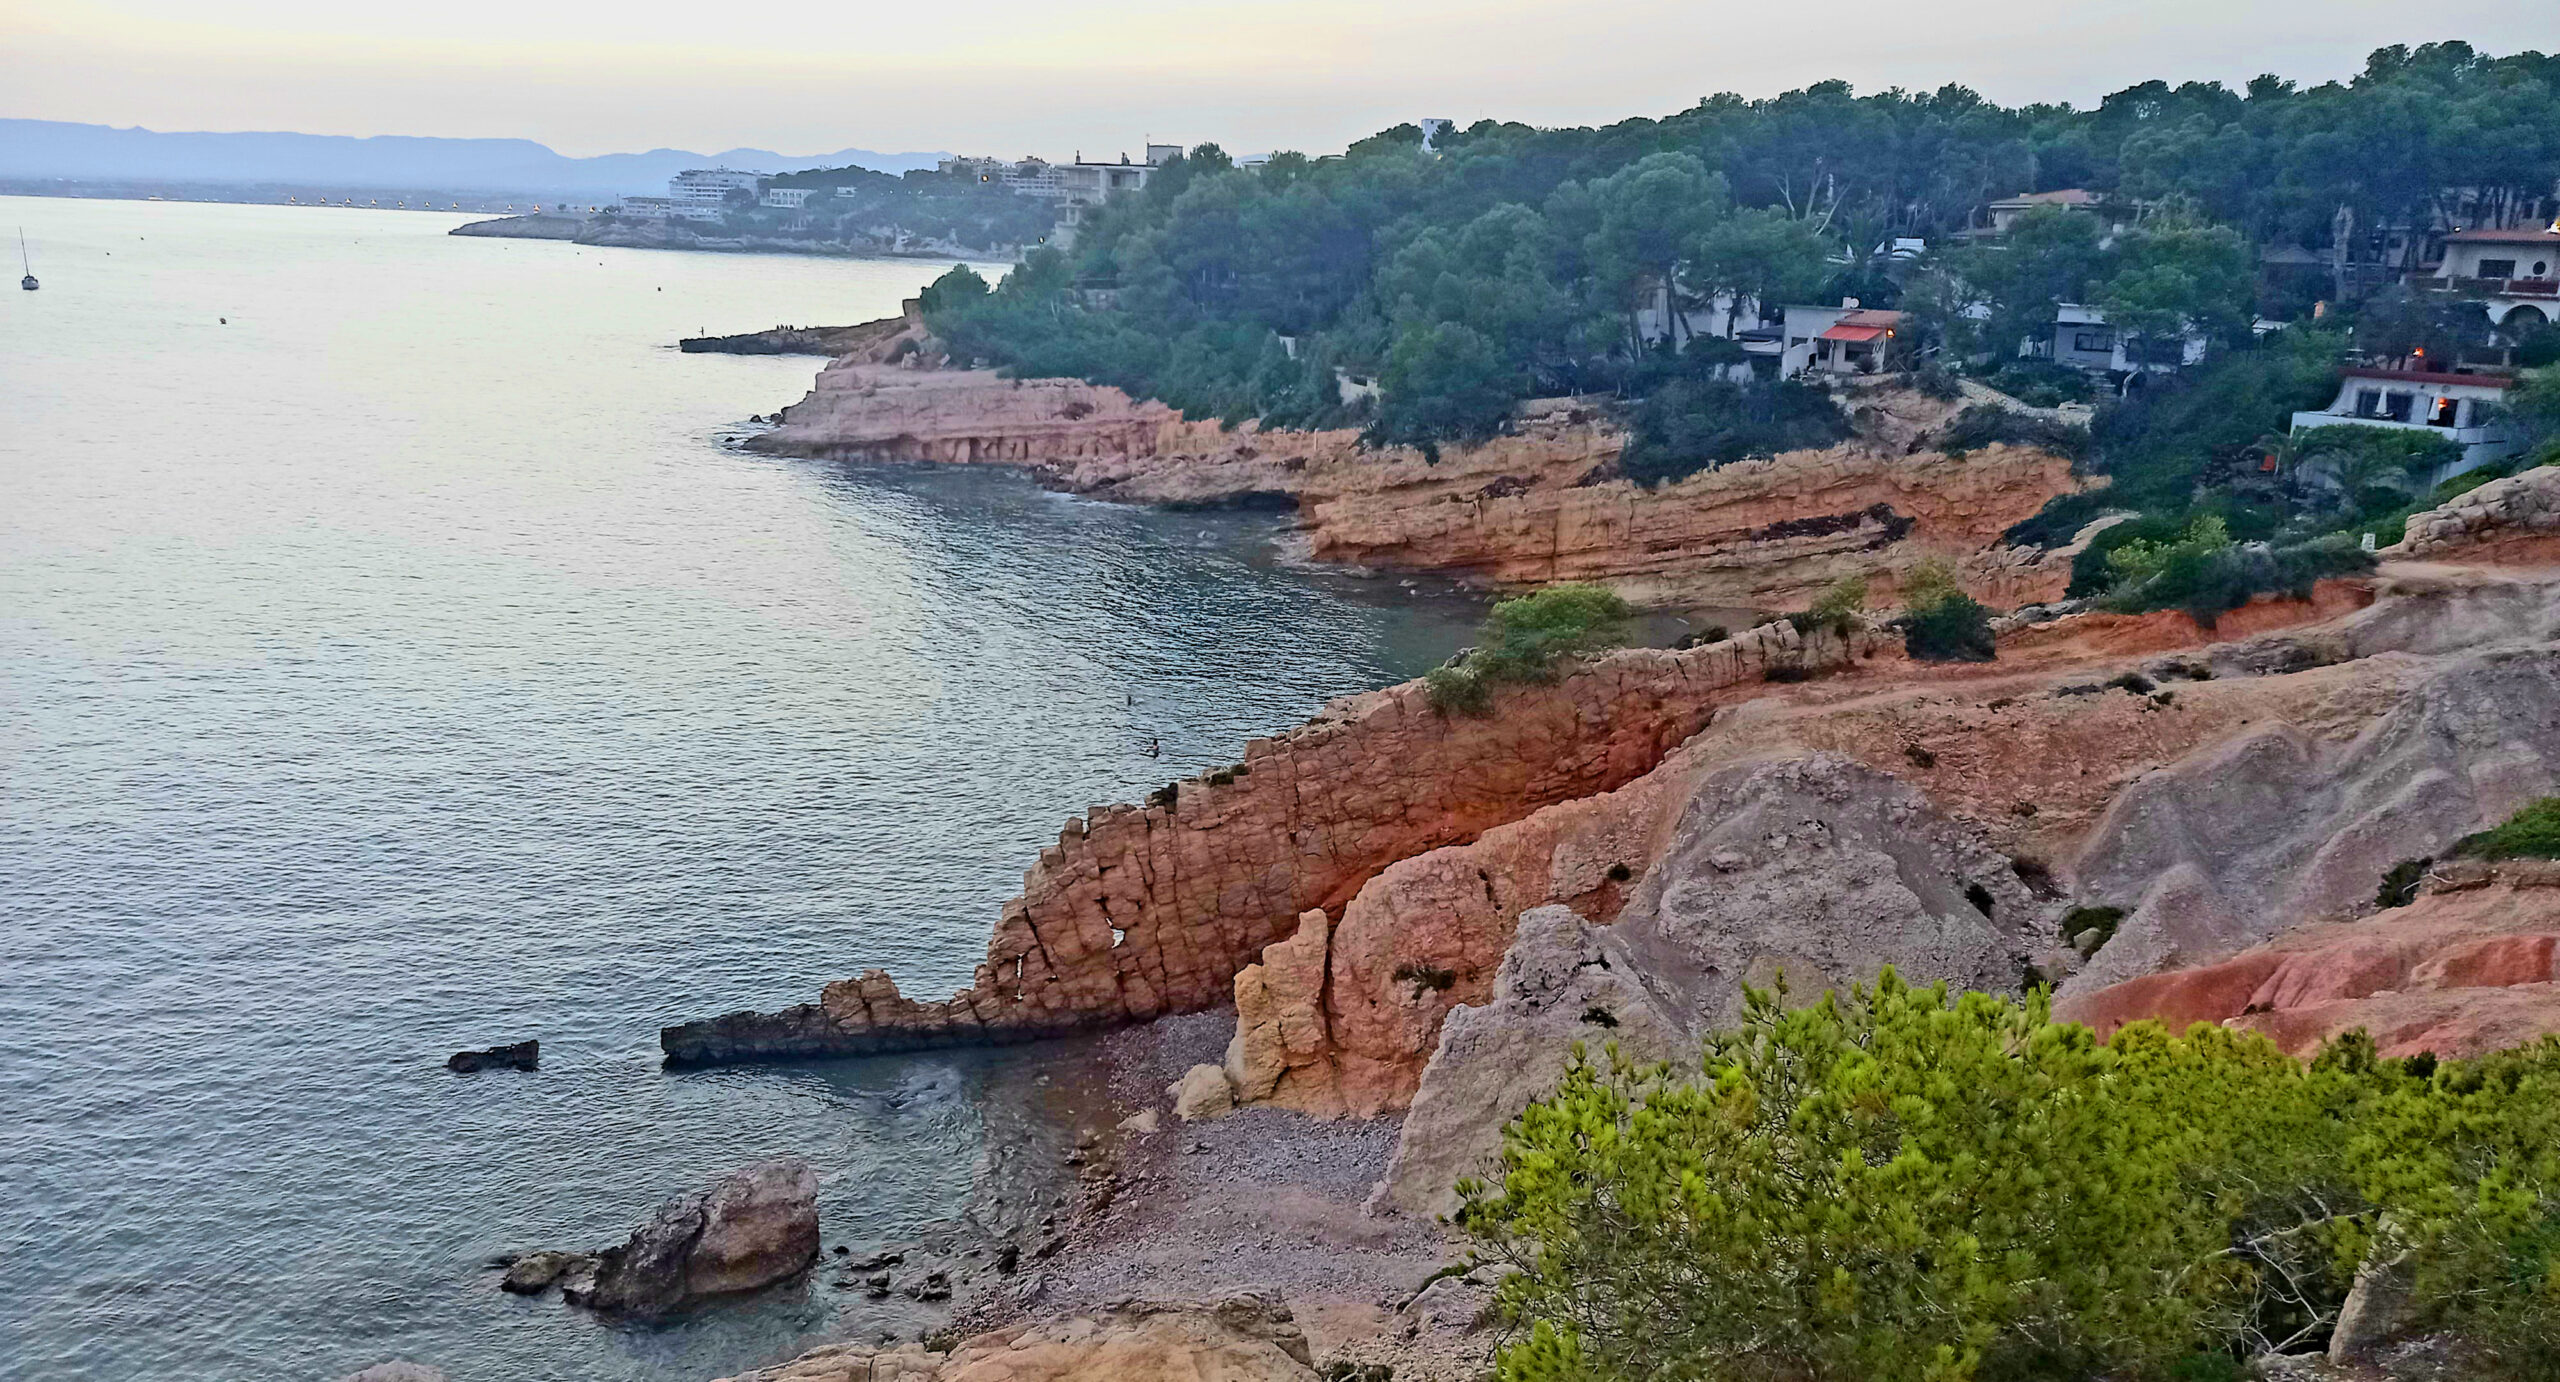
[{"x": 2462, "y": 408}]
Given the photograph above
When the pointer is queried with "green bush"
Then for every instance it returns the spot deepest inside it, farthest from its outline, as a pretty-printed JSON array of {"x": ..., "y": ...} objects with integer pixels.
[
  {"x": 1901, "y": 1185},
  {"x": 2532, "y": 833},
  {"x": 1989, "y": 424},
  {"x": 1526, "y": 639},
  {"x": 1689, "y": 425},
  {"x": 2204, "y": 573},
  {"x": 1940, "y": 623},
  {"x": 1835, "y": 609}
]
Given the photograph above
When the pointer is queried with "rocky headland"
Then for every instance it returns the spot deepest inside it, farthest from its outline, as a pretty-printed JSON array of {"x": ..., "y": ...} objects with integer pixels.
[{"x": 1544, "y": 503}]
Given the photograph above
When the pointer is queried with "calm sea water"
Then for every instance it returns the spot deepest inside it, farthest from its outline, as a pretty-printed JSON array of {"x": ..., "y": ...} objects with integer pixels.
[{"x": 410, "y": 662}]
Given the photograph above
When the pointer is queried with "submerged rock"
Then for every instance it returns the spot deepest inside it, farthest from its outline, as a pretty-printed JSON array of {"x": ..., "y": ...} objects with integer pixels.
[
  {"x": 1245, "y": 1339},
  {"x": 522, "y": 1055},
  {"x": 396, "y": 1372},
  {"x": 753, "y": 1228},
  {"x": 535, "y": 1272}
]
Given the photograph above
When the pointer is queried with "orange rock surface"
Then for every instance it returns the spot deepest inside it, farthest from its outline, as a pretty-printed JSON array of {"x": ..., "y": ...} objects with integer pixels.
[
  {"x": 2458, "y": 973},
  {"x": 1541, "y": 505}
]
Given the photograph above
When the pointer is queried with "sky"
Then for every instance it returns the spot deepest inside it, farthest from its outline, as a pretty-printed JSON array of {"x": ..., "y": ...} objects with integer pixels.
[{"x": 1060, "y": 77}]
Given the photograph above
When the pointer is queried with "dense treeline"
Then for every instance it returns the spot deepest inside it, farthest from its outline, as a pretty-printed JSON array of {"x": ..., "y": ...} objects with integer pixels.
[
  {"x": 1508, "y": 262},
  {"x": 854, "y": 203}
]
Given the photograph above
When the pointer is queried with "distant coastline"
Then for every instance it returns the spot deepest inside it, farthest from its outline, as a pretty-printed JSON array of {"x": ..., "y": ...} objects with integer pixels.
[{"x": 659, "y": 235}]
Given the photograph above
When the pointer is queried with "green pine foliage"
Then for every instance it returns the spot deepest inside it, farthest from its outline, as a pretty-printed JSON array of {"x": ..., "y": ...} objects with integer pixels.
[
  {"x": 2532, "y": 833},
  {"x": 1530, "y": 638},
  {"x": 1903, "y": 1185}
]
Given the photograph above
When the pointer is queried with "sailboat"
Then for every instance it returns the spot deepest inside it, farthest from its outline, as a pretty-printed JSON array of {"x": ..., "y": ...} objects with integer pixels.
[{"x": 28, "y": 282}]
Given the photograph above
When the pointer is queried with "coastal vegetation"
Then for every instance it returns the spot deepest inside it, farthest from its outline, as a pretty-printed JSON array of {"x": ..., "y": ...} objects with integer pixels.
[
  {"x": 2532, "y": 833},
  {"x": 1940, "y": 623},
  {"x": 1504, "y": 262},
  {"x": 1528, "y": 639},
  {"x": 1902, "y": 1183}
]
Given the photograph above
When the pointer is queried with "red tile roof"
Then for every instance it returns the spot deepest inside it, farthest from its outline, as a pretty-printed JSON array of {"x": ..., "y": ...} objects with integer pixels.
[{"x": 2531, "y": 235}]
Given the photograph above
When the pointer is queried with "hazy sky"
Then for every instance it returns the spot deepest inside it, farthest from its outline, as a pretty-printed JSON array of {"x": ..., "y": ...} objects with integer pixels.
[{"x": 1056, "y": 76}]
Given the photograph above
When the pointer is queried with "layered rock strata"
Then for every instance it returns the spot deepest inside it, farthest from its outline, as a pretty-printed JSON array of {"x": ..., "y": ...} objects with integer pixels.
[
  {"x": 2466, "y": 968},
  {"x": 1140, "y": 911},
  {"x": 1541, "y": 505}
]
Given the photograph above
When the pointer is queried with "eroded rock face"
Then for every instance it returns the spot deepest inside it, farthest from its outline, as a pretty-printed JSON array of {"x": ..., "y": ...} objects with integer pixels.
[
  {"x": 1542, "y": 504},
  {"x": 1818, "y": 869},
  {"x": 2233, "y": 844},
  {"x": 752, "y": 1228},
  {"x": 1143, "y": 911},
  {"x": 1244, "y": 1339},
  {"x": 2459, "y": 972}
]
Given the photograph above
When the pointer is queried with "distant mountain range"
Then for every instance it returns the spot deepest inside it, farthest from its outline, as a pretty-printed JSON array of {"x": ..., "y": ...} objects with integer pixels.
[{"x": 32, "y": 149}]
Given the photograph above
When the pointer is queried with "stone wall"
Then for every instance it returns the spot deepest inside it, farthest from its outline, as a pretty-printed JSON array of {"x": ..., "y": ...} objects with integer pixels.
[{"x": 1140, "y": 911}]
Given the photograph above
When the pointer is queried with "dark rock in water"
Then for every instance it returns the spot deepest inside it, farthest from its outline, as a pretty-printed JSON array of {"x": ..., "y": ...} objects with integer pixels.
[
  {"x": 935, "y": 1286},
  {"x": 523, "y": 1055},
  {"x": 751, "y": 1229},
  {"x": 395, "y": 1372},
  {"x": 533, "y": 1273}
]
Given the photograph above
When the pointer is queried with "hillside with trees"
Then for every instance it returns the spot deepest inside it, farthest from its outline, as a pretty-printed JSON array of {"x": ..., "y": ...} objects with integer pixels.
[{"x": 1510, "y": 262}]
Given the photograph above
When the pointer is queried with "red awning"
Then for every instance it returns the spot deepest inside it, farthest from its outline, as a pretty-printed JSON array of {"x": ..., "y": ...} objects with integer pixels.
[{"x": 1852, "y": 333}]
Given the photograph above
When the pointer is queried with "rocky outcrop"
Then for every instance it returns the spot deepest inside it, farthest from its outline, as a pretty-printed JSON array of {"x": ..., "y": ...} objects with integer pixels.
[
  {"x": 1540, "y": 505},
  {"x": 536, "y": 227},
  {"x": 1813, "y": 873},
  {"x": 752, "y": 1228},
  {"x": 867, "y": 341},
  {"x": 1140, "y": 911},
  {"x": 2516, "y": 519},
  {"x": 2465, "y": 969},
  {"x": 1244, "y": 1339},
  {"x": 2277, "y": 825},
  {"x": 522, "y": 1055}
]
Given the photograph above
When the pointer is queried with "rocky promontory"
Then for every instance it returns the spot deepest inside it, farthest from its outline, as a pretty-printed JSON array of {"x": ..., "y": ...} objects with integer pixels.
[{"x": 1543, "y": 503}]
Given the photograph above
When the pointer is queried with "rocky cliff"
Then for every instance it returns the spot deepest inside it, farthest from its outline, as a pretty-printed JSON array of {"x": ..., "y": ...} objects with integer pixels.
[
  {"x": 1139, "y": 911},
  {"x": 1543, "y": 504}
]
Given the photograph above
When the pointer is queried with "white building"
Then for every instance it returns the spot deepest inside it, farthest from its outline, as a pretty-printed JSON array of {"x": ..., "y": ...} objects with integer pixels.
[
  {"x": 2515, "y": 273},
  {"x": 788, "y": 198},
  {"x": 2082, "y": 338},
  {"x": 646, "y": 208},
  {"x": 2462, "y": 408},
  {"x": 702, "y": 194}
]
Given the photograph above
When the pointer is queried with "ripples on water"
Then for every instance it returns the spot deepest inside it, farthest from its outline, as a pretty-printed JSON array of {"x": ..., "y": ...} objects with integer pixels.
[{"x": 409, "y": 664}]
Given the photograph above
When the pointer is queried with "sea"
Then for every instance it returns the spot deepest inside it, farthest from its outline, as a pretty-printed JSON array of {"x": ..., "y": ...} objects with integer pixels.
[{"x": 399, "y": 654}]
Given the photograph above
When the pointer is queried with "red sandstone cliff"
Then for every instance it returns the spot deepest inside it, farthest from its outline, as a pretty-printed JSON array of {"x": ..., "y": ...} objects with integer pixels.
[{"x": 1542, "y": 505}]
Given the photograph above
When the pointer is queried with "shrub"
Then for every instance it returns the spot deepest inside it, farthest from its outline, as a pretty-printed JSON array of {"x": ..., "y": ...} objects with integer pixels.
[
  {"x": 1526, "y": 638},
  {"x": 2205, "y": 574},
  {"x": 1689, "y": 425},
  {"x": 1421, "y": 975},
  {"x": 1902, "y": 1185},
  {"x": 1941, "y": 623},
  {"x": 2532, "y": 833},
  {"x": 2400, "y": 883},
  {"x": 1989, "y": 424},
  {"x": 1835, "y": 609}
]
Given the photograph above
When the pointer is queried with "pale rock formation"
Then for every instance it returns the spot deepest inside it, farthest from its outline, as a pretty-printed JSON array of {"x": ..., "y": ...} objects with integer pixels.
[
  {"x": 1202, "y": 1093},
  {"x": 2516, "y": 519},
  {"x": 2231, "y": 845},
  {"x": 1819, "y": 870},
  {"x": 1244, "y": 1339},
  {"x": 396, "y": 1372},
  {"x": 754, "y": 1227}
]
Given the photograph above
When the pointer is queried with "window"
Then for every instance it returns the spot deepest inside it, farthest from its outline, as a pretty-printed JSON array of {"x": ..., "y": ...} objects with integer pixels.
[
  {"x": 2542, "y": 268},
  {"x": 2497, "y": 268},
  {"x": 2441, "y": 415},
  {"x": 2098, "y": 342},
  {"x": 2368, "y": 403},
  {"x": 2396, "y": 406}
]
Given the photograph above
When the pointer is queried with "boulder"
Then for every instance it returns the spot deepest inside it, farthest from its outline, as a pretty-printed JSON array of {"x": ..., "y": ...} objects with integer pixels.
[
  {"x": 1203, "y": 1092},
  {"x": 2376, "y": 1308},
  {"x": 534, "y": 1273},
  {"x": 522, "y": 1055},
  {"x": 754, "y": 1227}
]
